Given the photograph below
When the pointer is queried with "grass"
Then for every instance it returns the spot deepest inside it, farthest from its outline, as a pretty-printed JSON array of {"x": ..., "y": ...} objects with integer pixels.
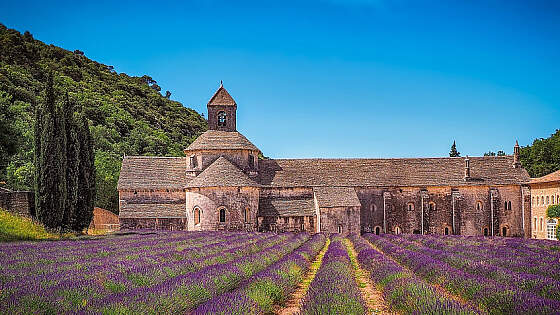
[{"x": 16, "y": 228}]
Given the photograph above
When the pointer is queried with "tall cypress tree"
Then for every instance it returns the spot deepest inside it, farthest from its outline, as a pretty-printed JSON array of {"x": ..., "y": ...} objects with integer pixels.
[
  {"x": 86, "y": 175},
  {"x": 50, "y": 194},
  {"x": 72, "y": 162}
]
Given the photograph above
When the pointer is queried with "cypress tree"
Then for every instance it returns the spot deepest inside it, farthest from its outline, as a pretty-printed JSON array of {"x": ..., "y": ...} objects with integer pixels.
[
  {"x": 72, "y": 162},
  {"x": 86, "y": 175},
  {"x": 50, "y": 192},
  {"x": 454, "y": 152}
]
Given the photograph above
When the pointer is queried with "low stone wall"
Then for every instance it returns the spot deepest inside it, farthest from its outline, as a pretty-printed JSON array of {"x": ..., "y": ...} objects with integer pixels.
[
  {"x": 18, "y": 202},
  {"x": 172, "y": 224}
]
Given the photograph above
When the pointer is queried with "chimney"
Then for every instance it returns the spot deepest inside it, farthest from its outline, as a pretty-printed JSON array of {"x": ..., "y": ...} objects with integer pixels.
[
  {"x": 516, "y": 161},
  {"x": 467, "y": 168}
]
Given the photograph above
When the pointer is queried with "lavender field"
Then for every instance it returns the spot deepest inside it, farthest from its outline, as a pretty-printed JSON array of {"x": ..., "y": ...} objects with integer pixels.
[{"x": 265, "y": 273}]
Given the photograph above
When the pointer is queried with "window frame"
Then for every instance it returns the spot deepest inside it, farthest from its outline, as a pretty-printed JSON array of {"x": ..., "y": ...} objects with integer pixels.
[
  {"x": 221, "y": 210},
  {"x": 222, "y": 114}
]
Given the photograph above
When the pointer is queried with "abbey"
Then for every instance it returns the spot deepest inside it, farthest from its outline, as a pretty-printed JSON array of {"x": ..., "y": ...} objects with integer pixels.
[{"x": 222, "y": 184}]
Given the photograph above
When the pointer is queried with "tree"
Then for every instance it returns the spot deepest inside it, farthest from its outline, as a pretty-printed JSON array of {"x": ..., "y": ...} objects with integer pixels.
[
  {"x": 501, "y": 153},
  {"x": 72, "y": 162},
  {"x": 553, "y": 211},
  {"x": 167, "y": 94},
  {"x": 490, "y": 153},
  {"x": 86, "y": 176},
  {"x": 8, "y": 133},
  {"x": 454, "y": 152},
  {"x": 50, "y": 157}
]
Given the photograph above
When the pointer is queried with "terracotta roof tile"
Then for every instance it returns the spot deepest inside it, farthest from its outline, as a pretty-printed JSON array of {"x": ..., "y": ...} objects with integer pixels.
[
  {"x": 389, "y": 172},
  {"x": 221, "y": 140},
  {"x": 286, "y": 206},
  {"x": 221, "y": 173},
  {"x": 149, "y": 172},
  {"x": 328, "y": 197},
  {"x": 221, "y": 97},
  {"x": 552, "y": 177}
]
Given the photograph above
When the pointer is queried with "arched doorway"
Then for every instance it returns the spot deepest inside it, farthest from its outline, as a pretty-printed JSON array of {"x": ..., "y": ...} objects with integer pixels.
[{"x": 377, "y": 230}]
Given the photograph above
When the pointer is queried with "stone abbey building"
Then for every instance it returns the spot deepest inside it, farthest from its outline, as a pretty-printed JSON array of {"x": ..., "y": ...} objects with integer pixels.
[{"x": 222, "y": 184}]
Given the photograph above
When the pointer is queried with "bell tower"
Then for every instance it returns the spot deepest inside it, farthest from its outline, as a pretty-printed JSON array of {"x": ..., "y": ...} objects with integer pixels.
[{"x": 222, "y": 111}]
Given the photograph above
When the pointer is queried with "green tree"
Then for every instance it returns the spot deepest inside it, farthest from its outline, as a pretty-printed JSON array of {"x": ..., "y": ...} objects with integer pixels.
[
  {"x": 553, "y": 211},
  {"x": 8, "y": 133},
  {"x": 454, "y": 152},
  {"x": 50, "y": 147},
  {"x": 86, "y": 176},
  {"x": 72, "y": 163}
]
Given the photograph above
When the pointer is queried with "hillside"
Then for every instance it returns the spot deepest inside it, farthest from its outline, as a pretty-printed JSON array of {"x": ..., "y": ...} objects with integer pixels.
[
  {"x": 543, "y": 156},
  {"x": 16, "y": 228},
  {"x": 128, "y": 115}
]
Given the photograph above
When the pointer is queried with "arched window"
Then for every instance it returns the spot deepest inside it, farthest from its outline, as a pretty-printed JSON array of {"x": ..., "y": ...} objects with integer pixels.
[
  {"x": 446, "y": 231},
  {"x": 558, "y": 199},
  {"x": 509, "y": 205},
  {"x": 377, "y": 230},
  {"x": 246, "y": 214},
  {"x": 551, "y": 226},
  {"x": 479, "y": 205},
  {"x": 373, "y": 208},
  {"x": 535, "y": 224},
  {"x": 193, "y": 161},
  {"x": 432, "y": 206},
  {"x": 505, "y": 205},
  {"x": 397, "y": 230},
  {"x": 196, "y": 214},
  {"x": 222, "y": 117},
  {"x": 485, "y": 231},
  {"x": 541, "y": 225},
  {"x": 222, "y": 215},
  {"x": 504, "y": 231},
  {"x": 547, "y": 200},
  {"x": 340, "y": 229},
  {"x": 410, "y": 206},
  {"x": 533, "y": 201}
]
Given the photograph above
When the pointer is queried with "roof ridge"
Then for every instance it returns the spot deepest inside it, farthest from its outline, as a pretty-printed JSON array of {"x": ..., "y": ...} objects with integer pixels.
[
  {"x": 152, "y": 157},
  {"x": 226, "y": 98},
  {"x": 390, "y": 159}
]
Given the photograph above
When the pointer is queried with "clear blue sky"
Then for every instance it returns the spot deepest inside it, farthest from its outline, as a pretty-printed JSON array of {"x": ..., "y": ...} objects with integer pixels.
[{"x": 335, "y": 78}]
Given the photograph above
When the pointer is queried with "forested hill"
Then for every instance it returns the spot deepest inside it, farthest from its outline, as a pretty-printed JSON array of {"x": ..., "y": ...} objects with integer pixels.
[
  {"x": 543, "y": 156},
  {"x": 128, "y": 115}
]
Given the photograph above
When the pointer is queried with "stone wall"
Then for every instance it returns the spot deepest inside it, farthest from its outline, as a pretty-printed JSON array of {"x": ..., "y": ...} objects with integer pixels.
[
  {"x": 172, "y": 224},
  {"x": 205, "y": 158},
  {"x": 18, "y": 202},
  {"x": 235, "y": 200},
  {"x": 403, "y": 210},
  {"x": 344, "y": 220},
  {"x": 287, "y": 224}
]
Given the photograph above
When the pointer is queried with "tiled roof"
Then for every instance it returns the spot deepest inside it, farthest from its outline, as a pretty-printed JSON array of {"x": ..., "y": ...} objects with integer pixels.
[
  {"x": 286, "y": 206},
  {"x": 221, "y": 97},
  {"x": 221, "y": 140},
  {"x": 221, "y": 173},
  {"x": 154, "y": 210},
  {"x": 390, "y": 172},
  {"x": 552, "y": 177},
  {"x": 328, "y": 197},
  {"x": 149, "y": 172}
]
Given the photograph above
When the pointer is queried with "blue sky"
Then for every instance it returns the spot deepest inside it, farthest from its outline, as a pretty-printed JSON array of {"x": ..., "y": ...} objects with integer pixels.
[{"x": 334, "y": 78}]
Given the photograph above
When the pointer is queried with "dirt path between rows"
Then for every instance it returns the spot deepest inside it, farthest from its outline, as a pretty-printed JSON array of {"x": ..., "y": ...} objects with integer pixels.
[
  {"x": 293, "y": 305},
  {"x": 441, "y": 290},
  {"x": 373, "y": 297}
]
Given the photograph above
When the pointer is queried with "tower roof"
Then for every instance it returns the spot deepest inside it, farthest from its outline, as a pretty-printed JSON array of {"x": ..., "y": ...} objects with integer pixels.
[
  {"x": 221, "y": 173},
  {"x": 221, "y": 97},
  {"x": 221, "y": 140}
]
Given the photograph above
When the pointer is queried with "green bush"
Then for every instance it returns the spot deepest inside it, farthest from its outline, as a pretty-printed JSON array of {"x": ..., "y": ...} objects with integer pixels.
[{"x": 553, "y": 211}]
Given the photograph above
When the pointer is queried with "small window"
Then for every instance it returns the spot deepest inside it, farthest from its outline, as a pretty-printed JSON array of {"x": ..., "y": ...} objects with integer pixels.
[
  {"x": 251, "y": 161},
  {"x": 485, "y": 231},
  {"x": 547, "y": 201},
  {"x": 533, "y": 201},
  {"x": 410, "y": 206},
  {"x": 509, "y": 205},
  {"x": 193, "y": 161},
  {"x": 504, "y": 231},
  {"x": 446, "y": 231},
  {"x": 397, "y": 230},
  {"x": 222, "y": 119},
  {"x": 535, "y": 224},
  {"x": 479, "y": 206},
  {"x": 432, "y": 206},
  {"x": 222, "y": 215},
  {"x": 196, "y": 216},
  {"x": 377, "y": 230},
  {"x": 340, "y": 229},
  {"x": 505, "y": 205},
  {"x": 542, "y": 226},
  {"x": 246, "y": 214}
]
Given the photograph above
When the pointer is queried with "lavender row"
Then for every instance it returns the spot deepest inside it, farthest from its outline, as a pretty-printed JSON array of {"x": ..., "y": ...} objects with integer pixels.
[
  {"x": 540, "y": 285},
  {"x": 511, "y": 254},
  {"x": 334, "y": 289},
  {"x": 183, "y": 293},
  {"x": 104, "y": 281},
  {"x": 271, "y": 286},
  {"x": 405, "y": 292},
  {"x": 490, "y": 296}
]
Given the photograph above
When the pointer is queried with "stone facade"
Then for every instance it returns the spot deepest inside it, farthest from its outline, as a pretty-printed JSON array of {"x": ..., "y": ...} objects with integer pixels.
[
  {"x": 545, "y": 191},
  {"x": 222, "y": 185}
]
